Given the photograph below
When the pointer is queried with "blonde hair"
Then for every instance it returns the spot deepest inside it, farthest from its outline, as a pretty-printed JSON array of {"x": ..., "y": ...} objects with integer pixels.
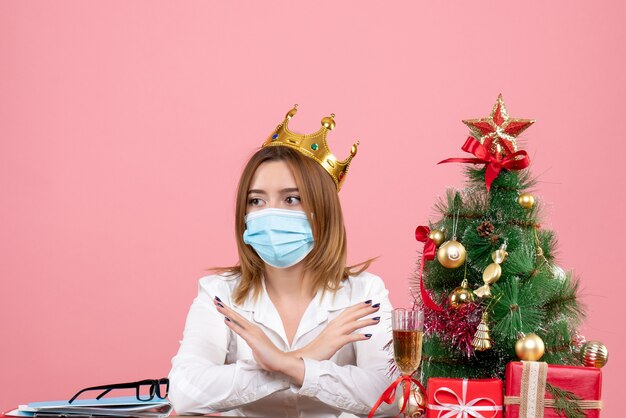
[{"x": 327, "y": 261}]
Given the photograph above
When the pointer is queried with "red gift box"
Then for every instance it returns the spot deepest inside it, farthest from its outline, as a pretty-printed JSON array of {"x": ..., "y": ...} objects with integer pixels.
[
  {"x": 461, "y": 398},
  {"x": 526, "y": 396}
]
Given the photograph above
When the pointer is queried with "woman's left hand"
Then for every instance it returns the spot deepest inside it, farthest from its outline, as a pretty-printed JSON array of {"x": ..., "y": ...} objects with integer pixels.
[{"x": 265, "y": 353}]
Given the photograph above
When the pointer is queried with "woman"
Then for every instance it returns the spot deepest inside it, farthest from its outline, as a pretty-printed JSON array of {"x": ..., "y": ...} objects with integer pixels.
[{"x": 290, "y": 331}]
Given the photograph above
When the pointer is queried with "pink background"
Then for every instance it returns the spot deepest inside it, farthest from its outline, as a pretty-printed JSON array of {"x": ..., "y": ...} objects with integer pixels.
[{"x": 124, "y": 127}]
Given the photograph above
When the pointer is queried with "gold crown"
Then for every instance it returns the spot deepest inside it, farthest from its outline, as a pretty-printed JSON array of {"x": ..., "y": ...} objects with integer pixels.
[{"x": 313, "y": 146}]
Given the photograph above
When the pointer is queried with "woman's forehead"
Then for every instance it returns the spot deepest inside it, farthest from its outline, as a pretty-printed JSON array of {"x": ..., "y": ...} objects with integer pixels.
[{"x": 273, "y": 176}]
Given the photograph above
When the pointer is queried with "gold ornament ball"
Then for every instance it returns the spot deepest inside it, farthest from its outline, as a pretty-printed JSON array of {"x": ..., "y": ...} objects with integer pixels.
[
  {"x": 451, "y": 254},
  {"x": 437, "y": 236},
  {"x": 530, "y": 347},
  {"x": 594, "y": 354},
  {"x": 461, "y": 296},
  {"x": 416, "y": 405},
  {"x": 526, "y": 200}
]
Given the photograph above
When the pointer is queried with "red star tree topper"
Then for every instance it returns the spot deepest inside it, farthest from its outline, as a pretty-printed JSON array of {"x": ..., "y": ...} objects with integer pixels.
[{"x": 498, "y": 132}]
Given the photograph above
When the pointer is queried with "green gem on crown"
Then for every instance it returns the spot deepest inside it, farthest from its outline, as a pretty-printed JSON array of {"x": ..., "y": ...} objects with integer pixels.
[{"x": 314, "y": 147}]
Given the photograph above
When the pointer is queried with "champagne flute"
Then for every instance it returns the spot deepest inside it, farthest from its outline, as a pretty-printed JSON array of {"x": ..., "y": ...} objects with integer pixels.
[{"x": 408, "y": 330}]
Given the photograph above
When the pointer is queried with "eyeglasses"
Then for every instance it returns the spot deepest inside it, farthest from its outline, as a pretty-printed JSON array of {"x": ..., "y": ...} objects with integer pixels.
[{"x": 145, "y": 389}]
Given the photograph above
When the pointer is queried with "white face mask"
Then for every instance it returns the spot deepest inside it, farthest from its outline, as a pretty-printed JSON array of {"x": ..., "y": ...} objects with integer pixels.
[{"x": 281, "y": 237}]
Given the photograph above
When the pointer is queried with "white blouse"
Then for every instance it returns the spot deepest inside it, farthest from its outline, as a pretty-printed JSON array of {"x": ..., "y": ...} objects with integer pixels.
[{"x": 214, "y": 370}]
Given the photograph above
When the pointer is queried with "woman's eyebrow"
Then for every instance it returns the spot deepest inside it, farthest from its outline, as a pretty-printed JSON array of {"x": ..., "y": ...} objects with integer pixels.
[
  {"x": 257, "y": 191},
  {"x": 286, "y": 190}
]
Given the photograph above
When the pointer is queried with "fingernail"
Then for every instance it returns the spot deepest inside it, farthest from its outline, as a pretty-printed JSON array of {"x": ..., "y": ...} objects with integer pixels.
[
  {"x": 368, "y": 301},
  {"x": 376, "y": 306},
  {"x": 227, "y": 318},
  {"x": 220, "y": 305},
  {"x": 218, "y": 299},
  {"x": 368, "y": 335},
  {"x": 377, "y": 318}
]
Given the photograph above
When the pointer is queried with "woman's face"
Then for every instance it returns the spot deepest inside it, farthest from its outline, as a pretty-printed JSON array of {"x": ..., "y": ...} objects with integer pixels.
[{"x": 273, "y": 186}]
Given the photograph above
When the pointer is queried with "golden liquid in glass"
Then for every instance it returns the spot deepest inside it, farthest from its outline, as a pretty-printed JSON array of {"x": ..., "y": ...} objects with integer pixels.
[{"x": 407, "y": 350}]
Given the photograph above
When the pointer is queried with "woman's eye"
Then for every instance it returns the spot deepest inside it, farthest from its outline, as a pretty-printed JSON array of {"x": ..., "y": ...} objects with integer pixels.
[
  {"x": 254, "y": 201},
  {"x": 293, "y": 200}
]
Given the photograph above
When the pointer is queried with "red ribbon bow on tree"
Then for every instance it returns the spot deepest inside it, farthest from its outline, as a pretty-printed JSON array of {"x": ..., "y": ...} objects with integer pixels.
[
  {"x": 494, "y": 163},
  {"x": 430, "y": 249},
  {"x": 389, "y": 395}
]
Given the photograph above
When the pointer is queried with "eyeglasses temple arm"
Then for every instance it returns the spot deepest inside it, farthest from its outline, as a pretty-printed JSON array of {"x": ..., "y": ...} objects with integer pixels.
[{"x": 104, "y": 393}]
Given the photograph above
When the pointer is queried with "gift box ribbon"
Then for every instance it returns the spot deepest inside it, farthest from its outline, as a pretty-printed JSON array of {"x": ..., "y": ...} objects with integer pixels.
[
  {"x": 532, "y": 392},
  {"x": 463, "y": 408}
]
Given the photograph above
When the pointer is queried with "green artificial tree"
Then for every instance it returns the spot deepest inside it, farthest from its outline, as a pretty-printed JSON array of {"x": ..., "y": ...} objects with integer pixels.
[{"x": 507, "y": 286}]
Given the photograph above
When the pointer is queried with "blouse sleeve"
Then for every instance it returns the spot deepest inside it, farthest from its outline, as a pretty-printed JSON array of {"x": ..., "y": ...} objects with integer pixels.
[
  {"x": 200, "y": 382},
  {"x": 356, "y": 388}
]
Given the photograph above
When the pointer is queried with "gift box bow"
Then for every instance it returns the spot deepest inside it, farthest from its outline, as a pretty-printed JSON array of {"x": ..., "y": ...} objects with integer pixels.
[{"x": 463, "y": 408}]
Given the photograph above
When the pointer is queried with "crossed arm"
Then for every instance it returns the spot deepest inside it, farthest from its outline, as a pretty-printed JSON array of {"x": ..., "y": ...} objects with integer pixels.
[{"x": 339, "y": 332}]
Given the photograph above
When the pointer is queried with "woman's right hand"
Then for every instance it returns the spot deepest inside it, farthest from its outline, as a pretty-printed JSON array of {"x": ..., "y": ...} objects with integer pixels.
[{"x": 340, "y": 331}]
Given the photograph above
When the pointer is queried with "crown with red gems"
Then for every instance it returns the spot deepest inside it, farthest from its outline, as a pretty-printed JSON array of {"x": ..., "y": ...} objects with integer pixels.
[{"x": 313, "y": 146}]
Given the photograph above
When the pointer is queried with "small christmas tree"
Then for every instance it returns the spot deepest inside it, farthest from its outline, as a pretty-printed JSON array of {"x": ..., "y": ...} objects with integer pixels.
[{"x": 487, "y": 280}]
